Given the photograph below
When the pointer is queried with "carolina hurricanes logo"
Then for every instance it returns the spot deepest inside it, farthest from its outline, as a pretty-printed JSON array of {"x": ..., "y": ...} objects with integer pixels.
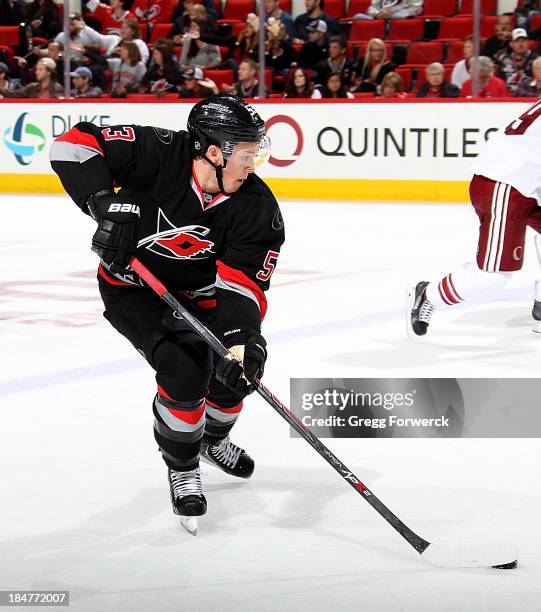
[{"x": 186, "y": 242}]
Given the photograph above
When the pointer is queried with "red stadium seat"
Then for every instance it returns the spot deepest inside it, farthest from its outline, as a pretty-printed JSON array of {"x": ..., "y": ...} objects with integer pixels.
[
  {"x": 405, "y": 73},
  {"x": 237, "y": 27},
  {"x": 160, "y": 30},
  {"x": 358, "y": 6},
  {"x": 9, "y": 35},
  {"x": 424, "y": 53},
  {"x": 487, "y": 6},
  {"x": 455, "y": 51},
  {"x": 439, "y": 8},
  {"x": 220, "y": 77},
  {"x": 238, "y": 9},
  {"x": 362, "y": 29},
  {"x": 335, "y": 8},
  {"x": 455, "y": 27},
  {"x": 406, "y": 29},
  {"x": 535, "y": 22},
  {"x": 144, "y": 31}
]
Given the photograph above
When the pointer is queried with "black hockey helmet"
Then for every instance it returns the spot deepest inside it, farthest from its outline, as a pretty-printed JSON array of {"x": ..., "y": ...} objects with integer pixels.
[{"x": 223, "y": 120}]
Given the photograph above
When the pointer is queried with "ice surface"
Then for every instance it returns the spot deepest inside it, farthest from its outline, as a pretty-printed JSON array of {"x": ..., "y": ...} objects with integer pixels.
[{"x": 85, "y": 502}]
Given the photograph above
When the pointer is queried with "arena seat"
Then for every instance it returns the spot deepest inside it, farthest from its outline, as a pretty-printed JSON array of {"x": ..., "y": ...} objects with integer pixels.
[
  {"x": 220, "y": 77},
  {"x": 535, "y": 22},
  {"x": 236, "y": 10},
  {"x": 455, "y": 27},
  {"x": 9, "y": 35},
  {"x": 420, "y": 53},
  {"x": 455, "y": 51},
  {"x": 439, "y": 8},
  {"x": 487, "y": 7},
  {"x": 335, "y": 8},
  {"x": 357, "y": 6},
  {"x": 406, "y": 29},
  {"x": 362, "y": 29},
  {"x": 405, "y": 73},
  {"x": 159, "y": 30}
]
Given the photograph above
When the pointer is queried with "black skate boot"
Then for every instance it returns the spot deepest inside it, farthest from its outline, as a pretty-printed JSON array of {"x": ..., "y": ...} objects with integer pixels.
[
  {"x": 420, "y": 309},
  {"x": 536, "y": 314},
  {"x": 227, "y": 456},
  {"x": 187, "y": 497}
]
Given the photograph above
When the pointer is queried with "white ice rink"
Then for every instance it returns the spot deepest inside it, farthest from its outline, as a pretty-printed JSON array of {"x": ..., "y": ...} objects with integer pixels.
[{"x": 84, "y": 502}]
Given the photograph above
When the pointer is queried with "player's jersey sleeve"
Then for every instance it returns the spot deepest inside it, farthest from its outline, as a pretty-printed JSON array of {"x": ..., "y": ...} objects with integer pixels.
[
  {"x": 89, "y": 158},
  {"x": 245, "y": 266}
]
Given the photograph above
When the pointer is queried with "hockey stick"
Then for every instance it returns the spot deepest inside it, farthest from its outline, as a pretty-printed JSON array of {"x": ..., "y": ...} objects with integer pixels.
[{"x": 501, "y": 555}]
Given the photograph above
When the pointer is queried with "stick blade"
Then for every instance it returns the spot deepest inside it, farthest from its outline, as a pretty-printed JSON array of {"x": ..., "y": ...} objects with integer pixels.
[{"x": 502, "y": 554}]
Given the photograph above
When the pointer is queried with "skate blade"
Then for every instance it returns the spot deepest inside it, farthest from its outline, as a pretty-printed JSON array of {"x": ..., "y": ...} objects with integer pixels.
[
  {"x": 536, "y": 327},
  {"x": 190, "y": 524},
  {"x": 410, "y": 301}
]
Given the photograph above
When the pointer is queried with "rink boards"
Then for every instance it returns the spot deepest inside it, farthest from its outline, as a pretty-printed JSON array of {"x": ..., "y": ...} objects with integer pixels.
[{"x": 346, "y": 150}]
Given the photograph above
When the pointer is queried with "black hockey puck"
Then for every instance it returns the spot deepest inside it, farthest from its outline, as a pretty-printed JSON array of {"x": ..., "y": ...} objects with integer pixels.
[{"x": 511, "y": 565}]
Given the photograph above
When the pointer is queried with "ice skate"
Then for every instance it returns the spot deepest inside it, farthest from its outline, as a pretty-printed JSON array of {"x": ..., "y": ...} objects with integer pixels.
[
  {"x": 536, "y": 314},
  {"x": 227, "y": 456},
  {"x": 420, "y": 309},
  {"x": 187, "y": 497}
]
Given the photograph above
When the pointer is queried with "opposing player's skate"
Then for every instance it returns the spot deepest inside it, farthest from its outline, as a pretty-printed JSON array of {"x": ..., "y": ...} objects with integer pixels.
[
  {"x": 187, "y": 497},
  {"x": 227, "y": 456},
  {"x": 536, "y": 314},
  {"x": 420, "y": 309}
]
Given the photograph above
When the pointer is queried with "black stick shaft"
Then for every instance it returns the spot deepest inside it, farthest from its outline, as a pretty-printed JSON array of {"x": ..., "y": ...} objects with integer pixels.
[{"x": 411, "y": 537}]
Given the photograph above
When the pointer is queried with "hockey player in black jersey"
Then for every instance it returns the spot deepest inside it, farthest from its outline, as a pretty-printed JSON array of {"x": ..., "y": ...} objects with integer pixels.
[{"x": 192, "y": 210}]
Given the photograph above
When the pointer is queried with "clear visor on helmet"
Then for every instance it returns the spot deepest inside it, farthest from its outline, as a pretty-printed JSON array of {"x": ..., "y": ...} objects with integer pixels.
[{"x": 252, "y": 155}]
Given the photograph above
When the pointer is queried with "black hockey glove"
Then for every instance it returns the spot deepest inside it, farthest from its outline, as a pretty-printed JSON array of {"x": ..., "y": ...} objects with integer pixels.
[
  {"x": 115, "y": 239},
  {"x": 249, "y": 355}
]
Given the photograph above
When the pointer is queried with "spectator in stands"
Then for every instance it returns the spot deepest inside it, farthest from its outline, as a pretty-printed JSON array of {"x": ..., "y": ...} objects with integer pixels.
[
  {"x": 45, "y": 85},
  {"x": 195, "y": 52},
  {"x": 372, "y": 68},
  {"x": 392, "y": 9},
  {"x": 314, "y": 12},
  {"x": 525, "y": 11},
  {"x": 97, "y": 64},
  {"x": 5, "y": 81},
  {"x": 164, "y": 73},
  {"x": 336, "y": 62},
  {"x": 461, "y": 70},
  {"x": 489, "y": 85},
  {"x": 279, "y": 53},
  {"x": 109, "y": 15},
  {"x": 82, "y": 84},
  {"x": 54, "y": 50},
  {"x": 514, "y": 66},
  {"x": 531, "y": 87},
  {"x": 392, "y": 86},
  {"x": 128, "y": 69},
  {"x": 333, "y": 88},
  {"x": 194, "y": 12},
  {"x": 12, "y": 12},
  {"x": 317, "y": 47},
  {"x": 436, "y": 86},
  {"x": 297, "y": 84},
  {"x": 247, "y": 83},
  {"x": 196, "y": 86},
  {"x": 44, "y": 18},
  {"x": 82, "y": 35},
  {"x": 499, "y": 42},
  {"x": 248, "y": 38},
  {"x": 272, "y": 9}
]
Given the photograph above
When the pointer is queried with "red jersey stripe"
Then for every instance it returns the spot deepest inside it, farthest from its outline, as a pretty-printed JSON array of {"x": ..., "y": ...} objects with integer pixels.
[
  {"x": 239, "y": 278},
  {"x": 232, "y": 410},
  {"x": 74, "y": 136}
]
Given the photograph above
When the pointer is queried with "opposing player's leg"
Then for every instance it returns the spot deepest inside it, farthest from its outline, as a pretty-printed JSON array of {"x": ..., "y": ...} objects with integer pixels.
[
  {"x": 223, "y": 407},
  {"x": 183, "y": 366},
  {"x": 503, "y": 213},
  {"x": 534, "y": 221}
]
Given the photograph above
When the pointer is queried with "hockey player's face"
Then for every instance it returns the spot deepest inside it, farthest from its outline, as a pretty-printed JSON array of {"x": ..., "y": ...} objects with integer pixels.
[{"x": 240, "y": 165}]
